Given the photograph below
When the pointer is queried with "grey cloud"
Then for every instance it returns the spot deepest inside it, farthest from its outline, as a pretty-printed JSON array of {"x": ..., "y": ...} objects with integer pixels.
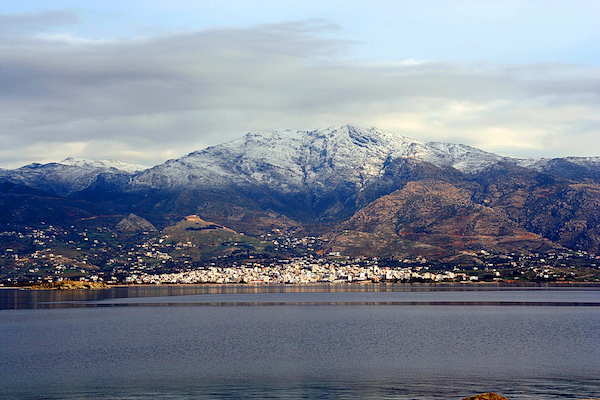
[
  {"x": 35, "y": 22},
  {"x": 146, "y": 99}
]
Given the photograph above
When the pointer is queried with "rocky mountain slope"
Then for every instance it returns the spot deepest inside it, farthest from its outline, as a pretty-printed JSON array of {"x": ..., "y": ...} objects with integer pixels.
[
  {"x": 369, "y": 190},
  {"x": 432, "y": 218}
]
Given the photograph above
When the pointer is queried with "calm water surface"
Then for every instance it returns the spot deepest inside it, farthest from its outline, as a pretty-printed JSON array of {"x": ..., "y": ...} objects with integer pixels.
[{"x": 301, "y": 342}]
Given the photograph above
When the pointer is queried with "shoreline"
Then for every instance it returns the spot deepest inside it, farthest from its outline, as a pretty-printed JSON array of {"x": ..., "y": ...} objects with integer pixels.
[{"x": 86, "y": 285}]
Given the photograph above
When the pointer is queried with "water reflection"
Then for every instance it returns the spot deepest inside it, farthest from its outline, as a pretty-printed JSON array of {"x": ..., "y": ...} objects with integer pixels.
[{"x": 321, "y": 294}]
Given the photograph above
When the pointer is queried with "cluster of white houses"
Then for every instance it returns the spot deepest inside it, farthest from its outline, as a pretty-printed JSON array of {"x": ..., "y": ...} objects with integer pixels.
[{"x": 295, "y": 272}]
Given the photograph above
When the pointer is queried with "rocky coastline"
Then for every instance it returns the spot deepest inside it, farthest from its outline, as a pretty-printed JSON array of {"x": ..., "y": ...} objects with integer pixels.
[{"x": 70, "y": 285}]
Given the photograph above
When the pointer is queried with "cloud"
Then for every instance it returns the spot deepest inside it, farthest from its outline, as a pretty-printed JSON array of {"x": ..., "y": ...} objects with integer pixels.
[
  {"x": 11, "y": 24},
  {"x": 147, "y": 99}
]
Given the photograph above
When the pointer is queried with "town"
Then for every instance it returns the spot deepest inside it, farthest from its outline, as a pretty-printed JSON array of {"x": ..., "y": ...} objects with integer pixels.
[{"x": 48, "y": 253}]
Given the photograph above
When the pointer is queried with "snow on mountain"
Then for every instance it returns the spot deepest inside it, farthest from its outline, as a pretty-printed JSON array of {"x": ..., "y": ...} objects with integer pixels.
[
  {"x": 104, "y": 164},
  {"x": 68, "y": 176},
  {"x": 288, "y": 161},
  {"x": 292, "y": 159},
  {"x": 542, "y": 164}
]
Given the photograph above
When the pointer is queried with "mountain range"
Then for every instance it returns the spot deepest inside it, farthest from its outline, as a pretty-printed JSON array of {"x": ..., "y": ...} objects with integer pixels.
[{"x": 366, "y": 191}]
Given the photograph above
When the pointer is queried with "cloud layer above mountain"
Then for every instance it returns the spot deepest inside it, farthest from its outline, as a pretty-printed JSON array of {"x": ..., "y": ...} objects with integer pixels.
[{"x": 147, "y": 99}]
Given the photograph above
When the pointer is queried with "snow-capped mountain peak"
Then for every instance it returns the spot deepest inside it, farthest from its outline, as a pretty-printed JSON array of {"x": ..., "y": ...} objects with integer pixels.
[{"x": 308, "y": 158}]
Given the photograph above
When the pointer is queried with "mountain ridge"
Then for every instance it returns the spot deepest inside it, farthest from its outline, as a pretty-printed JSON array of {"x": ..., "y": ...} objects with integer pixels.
[
  {"x": 289, "y": 150},
  {"x": 107, "y": 164}
]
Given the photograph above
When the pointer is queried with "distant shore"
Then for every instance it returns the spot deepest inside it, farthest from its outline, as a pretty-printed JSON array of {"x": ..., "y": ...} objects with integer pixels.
[
  {"x": 83, "y": 285},
  {"x": 70, "y": 285}
]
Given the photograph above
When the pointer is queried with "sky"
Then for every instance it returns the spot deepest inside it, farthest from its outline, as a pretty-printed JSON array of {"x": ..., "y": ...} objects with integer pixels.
[{"x": 147, "y": 81}]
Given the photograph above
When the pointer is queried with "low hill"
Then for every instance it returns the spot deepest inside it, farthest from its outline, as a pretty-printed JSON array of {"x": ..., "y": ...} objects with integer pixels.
[{"x": 200, "y": 240}]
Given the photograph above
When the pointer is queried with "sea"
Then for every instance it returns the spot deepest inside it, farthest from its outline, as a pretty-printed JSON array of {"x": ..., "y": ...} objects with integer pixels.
[{"x": 338, "y": 341}]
